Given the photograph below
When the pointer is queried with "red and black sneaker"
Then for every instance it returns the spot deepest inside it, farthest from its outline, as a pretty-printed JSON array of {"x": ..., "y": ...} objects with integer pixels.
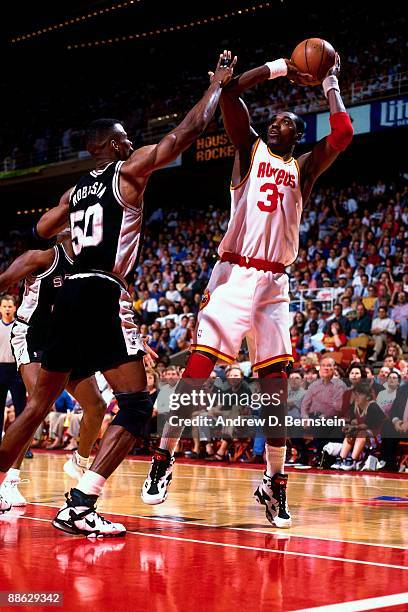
[
  {"x": 154, "y": 490},
  {"x": 271, "y": 493}
]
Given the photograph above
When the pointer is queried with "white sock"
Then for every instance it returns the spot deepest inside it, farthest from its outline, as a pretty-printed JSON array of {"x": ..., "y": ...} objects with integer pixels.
[
  {"x": 91, "y": 483},
  {"x": 275, "y": 459},
  {"x": 81, "y": 461},
  {"x": 3, "y": 476},
  {"x": 170, "y": 438},
  {"x": 13, "y": 474}
]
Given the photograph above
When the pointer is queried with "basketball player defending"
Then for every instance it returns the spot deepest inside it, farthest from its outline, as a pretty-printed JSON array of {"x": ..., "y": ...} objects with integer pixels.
[
  {"x": 92, "y": 326},
  {"x": 248, "y": 292},
  {"x": 44, "y": 273}
]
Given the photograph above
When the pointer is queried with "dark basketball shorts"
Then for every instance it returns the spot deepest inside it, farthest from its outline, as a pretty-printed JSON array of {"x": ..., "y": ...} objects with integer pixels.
[
  {"x": 25, "y": 349},
  {"x": 91, "y": 328}
]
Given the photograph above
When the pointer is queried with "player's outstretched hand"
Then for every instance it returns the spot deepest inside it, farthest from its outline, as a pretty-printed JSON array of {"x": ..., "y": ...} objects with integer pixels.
[
  {"x": 296, "y": 76},
  {"x": 225, "y": 68},
  {"x": 335, "y": 69},
  {"x": 150, "y": 356}
]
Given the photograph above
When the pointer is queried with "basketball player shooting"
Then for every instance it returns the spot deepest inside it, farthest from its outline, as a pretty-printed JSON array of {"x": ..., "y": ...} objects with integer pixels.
[
  {"x": 248, "y": 292},
  {"x": 92, "y": 326}
]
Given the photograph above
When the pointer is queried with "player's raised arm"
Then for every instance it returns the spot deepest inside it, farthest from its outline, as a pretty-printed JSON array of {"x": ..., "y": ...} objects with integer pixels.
[
  {"x": 28, "y": 262},
  {"x": 147, "y": 159},
  {"x": 323, "y": 154},
  {"x": 53, "y": 221},
  {"x": 235, "y": 113}
]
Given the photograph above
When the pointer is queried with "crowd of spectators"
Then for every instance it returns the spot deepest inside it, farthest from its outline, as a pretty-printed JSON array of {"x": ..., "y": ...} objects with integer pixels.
[
  {"x": 371, "y": 66},
  {"x": 348, "y": 289}
]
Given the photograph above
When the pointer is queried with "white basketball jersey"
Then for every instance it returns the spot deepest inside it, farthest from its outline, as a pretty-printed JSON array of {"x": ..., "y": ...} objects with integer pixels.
[{"x": 266, "y": 208}]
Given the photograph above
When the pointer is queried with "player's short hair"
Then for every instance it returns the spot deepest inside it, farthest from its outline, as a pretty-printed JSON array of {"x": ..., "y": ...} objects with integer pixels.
[
  {"x": 99, "y": 130},
  {"x": 300, "y": 123}
]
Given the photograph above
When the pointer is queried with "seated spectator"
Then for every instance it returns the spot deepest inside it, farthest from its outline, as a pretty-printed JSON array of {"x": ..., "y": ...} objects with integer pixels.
[
  {"x": 339, "y": 317},
  {"x": 366, "y": 419},
  {"x": 57, "y": 417},
  {"x": 386, "y": 397},
  {"x": 334, "y": 338},
  {"x": 399, "y": 314},
  {"x": 355, "y": 373},
  {"x": 361, "y": 324},
  {"x": 380, "y": 327}
]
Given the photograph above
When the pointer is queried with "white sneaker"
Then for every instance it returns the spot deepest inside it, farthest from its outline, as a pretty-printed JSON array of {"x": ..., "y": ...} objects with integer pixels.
[
  {"x": 154, "y": 490},
  {"x": 79, "y": 516},
  {"x": 271, "y": 493},
  {"x": 9, "y": 489},
  {"x": 73, "y": 468},
  {"x": 5, "y": 504}
]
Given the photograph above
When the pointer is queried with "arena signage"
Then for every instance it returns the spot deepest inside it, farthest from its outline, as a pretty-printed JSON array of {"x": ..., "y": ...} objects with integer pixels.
[{"x": 213, "y": 146}]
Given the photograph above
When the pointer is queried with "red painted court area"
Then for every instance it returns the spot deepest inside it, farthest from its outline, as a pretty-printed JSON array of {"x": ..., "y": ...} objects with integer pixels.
[{"x": 169, "y": 565}]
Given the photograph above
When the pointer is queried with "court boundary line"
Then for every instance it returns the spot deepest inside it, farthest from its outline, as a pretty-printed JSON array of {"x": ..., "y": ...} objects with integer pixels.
[
  {"x": 245, "y": 529},
  {"x": 291, "y": 482},
  {"x": 344, "y": 559},
  {"x": 360, "y": 605}
]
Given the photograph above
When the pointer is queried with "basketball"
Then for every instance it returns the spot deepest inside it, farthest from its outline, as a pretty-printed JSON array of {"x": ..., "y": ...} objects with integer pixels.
[{"x": 315, "y": 56}]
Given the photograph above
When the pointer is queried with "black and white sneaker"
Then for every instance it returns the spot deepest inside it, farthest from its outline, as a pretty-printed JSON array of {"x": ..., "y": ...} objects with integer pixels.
[
  {"x": 5, "y": 504},
  {"x": 271, "y": 493},
  {"x": 78, "y": 516},
  {"x": 154, "y": 490}
]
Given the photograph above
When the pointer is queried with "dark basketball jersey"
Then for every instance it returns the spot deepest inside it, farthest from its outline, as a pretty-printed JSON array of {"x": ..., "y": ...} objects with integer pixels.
[
  {"x": 39, "y": 293},
  {"x": 105, "y": 229}
]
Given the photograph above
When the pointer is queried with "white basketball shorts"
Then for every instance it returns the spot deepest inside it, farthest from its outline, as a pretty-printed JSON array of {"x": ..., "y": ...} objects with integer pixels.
[{"x": 246, "y": 303}]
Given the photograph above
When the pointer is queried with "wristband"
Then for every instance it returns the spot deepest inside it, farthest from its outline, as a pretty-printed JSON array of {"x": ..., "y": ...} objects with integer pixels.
[
  {"x": 277, "y": 68},
  {"x": 330, "y": 82},
  {"x": 40, "y": 243}
]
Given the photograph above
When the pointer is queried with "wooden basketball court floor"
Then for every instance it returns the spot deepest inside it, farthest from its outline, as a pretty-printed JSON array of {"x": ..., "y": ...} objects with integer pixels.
[{"x": 209, "y": 546}]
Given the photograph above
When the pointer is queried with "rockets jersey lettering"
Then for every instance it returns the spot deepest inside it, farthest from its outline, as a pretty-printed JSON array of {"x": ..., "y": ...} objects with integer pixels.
[
  {"x": 105, "y": 229},
  {"x": 39, "y": 294},
  {"x": 266, "y": 208}
]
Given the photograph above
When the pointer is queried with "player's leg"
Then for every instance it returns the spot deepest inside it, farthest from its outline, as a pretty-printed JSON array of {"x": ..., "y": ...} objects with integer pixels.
[
  {"x": 29, "y": 373},
  {"x": 272, "y": 491},
  {"x": 89, "y": 397},
  {"x": 222, "y": 322},
  {"x": 48, "y": 387},
  {"x": 270, "y": 349},
  {"x": 155, "y": 488},
  {"x": 78, "y": 515}
]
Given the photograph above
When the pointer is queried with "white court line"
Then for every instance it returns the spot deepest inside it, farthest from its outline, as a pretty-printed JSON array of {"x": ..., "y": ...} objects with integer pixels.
[
  {"x": 245, "y": 529},
  {"x": 362, "y": 604},
  {"x": 241, "y": 547},
  {"x": 353, "y": 606},
  {"x": 297, "y": 472},
  {"x": 292, "y": 482}
]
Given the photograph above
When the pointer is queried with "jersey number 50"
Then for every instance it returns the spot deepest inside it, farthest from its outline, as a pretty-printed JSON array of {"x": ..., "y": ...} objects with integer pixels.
[
  {"x": 86, "y": 227},
  {"x": 271, "y": 203}
]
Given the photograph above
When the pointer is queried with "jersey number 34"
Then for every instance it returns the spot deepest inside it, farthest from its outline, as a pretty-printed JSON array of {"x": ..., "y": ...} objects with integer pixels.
[
  {"x": 87, "y": 227},
  {"x": 271, "y": 203}
]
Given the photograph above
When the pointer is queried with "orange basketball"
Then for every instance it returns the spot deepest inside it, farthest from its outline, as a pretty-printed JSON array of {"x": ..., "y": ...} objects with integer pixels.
[{"x": 315, "y": 56}]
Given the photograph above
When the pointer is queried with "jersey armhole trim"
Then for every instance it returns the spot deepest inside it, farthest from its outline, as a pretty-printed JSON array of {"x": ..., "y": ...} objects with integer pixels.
[
  {"x": 116, "y": 190},
  {"x": 254, "y": 150},
  {"x": 69, "y": 259},
  {"x": 298, "y": 169},
  {"x": 50, "y": 269}
]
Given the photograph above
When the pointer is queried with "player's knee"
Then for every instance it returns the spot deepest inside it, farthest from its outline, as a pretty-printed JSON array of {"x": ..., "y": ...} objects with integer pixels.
[{"x": 135, "y": 409}]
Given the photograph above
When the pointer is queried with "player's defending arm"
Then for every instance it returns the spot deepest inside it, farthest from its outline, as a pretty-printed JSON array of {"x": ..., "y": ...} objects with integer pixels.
[
  {"x": 52, "y": 223},
  {"x": 147, "y": 159},
  {"x": 323, "y": 154},
  {"x": 235, "y": 113},
  {"x": 28, "y": 262}
]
